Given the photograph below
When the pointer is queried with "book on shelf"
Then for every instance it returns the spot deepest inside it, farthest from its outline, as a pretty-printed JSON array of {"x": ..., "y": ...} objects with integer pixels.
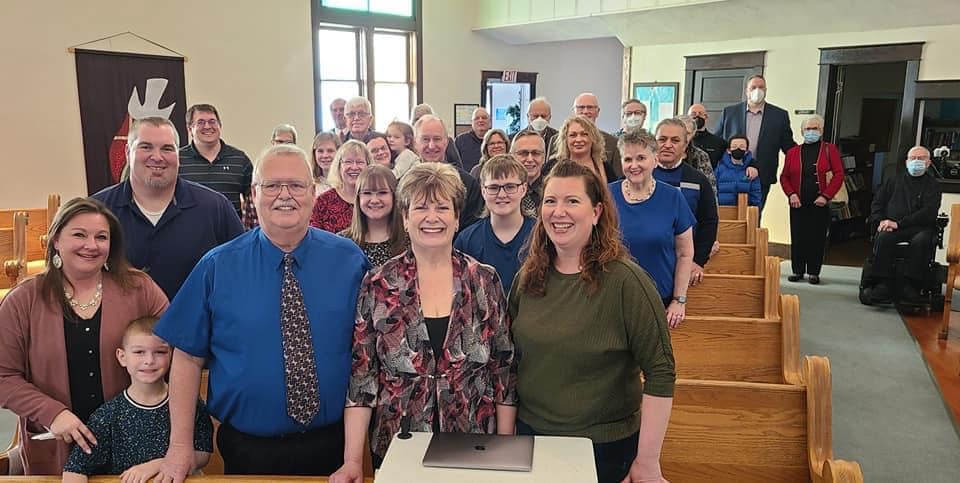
[{"x": 849, "y": 162}]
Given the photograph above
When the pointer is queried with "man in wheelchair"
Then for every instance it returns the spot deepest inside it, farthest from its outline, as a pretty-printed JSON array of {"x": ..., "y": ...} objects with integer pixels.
[{"x": 904, "y": 210}]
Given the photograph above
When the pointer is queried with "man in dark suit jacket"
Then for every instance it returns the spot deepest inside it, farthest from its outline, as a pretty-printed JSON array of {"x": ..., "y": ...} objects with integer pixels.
[{"x": 766, "y": 126}]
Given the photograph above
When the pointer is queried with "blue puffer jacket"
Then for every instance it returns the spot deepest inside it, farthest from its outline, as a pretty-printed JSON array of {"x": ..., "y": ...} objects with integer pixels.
[{"x": 732, "y": 179}]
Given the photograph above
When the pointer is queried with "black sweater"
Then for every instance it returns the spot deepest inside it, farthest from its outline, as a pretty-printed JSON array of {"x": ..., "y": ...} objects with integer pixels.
[{"x": 907, "y": 200}]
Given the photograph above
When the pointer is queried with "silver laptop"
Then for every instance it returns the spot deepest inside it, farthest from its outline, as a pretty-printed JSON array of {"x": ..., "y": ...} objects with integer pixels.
[{"x": 480, "y": 451}]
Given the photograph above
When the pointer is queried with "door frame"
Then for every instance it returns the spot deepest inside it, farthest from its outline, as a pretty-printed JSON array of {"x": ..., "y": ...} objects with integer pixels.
[
  {"x": 755, "y": 60},
  {"x": 831, "y": 58},
  {"x": 528, "y": 77}
]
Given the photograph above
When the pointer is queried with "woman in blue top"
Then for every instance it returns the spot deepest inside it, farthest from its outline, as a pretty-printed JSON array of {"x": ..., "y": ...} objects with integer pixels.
[{"x": 656, "y": 222}]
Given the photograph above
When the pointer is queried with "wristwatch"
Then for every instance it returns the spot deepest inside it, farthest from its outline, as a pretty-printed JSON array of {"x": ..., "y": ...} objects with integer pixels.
[{"x": 681, "y": 299}]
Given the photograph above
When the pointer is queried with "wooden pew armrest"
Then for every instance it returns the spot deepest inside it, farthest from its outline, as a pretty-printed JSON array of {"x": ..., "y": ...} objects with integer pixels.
[
  {"x": 953, "y": 246},
  {"x": 840, "y": 471}
]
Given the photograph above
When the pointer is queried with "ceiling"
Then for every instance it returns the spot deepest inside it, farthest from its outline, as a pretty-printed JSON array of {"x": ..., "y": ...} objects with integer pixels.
[{"x": 735, "y": 19}]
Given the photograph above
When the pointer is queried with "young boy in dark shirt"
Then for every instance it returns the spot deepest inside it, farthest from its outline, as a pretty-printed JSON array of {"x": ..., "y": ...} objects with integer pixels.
[{"x": 133, "y": 429}]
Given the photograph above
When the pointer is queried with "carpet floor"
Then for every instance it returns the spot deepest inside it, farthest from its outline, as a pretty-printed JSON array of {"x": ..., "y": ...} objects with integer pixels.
[{"x": 887, "y": 413}]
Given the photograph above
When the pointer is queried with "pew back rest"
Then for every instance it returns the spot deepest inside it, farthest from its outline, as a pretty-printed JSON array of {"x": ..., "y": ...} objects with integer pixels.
[
  {"x": 13, "y": 250},
  {"x": 736, "y": 212},
  {"x": 754, "y": 432},
  {"x": 740, "y": 349},
  {"x": 755, "y": 296},
  {"x": 740, "y": 258},
  {"x": 38, "y": 222}
]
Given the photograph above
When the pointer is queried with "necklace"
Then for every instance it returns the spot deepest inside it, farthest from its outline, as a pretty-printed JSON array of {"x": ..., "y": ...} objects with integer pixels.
[
  {"x": 80, "y": 306},
  {"x": 636, "y": 198}
]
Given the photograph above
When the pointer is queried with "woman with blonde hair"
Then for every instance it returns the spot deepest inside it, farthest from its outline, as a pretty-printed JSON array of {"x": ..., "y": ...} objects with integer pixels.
[
  {"x": 325, "y": 146},
  {"x": 333, "y": 210},
  {"x": 586, "y": 316},
  {"x": 377, "y": 226},
  {"x": 59, "y": 331},
  {"x": 580, "y": 141}
]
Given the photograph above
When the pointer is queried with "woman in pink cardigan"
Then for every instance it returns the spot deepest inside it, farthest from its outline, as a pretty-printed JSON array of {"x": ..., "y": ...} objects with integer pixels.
[{"x": 59, "y": 332}]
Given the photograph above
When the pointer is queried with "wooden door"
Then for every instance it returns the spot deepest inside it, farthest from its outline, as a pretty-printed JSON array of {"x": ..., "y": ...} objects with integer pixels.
[{"x": 719, "y": 88}]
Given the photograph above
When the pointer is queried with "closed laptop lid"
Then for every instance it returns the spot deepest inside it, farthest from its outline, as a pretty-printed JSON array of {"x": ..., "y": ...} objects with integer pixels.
[{"x": 480, "y": 451}]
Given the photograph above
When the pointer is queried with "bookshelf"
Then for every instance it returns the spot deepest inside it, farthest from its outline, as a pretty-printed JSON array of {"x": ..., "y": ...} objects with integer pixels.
[{"x": 848, "y": 219}]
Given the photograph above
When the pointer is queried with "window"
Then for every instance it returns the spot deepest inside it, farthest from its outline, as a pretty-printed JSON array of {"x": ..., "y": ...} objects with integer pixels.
[{"x": 367, "y": 48}]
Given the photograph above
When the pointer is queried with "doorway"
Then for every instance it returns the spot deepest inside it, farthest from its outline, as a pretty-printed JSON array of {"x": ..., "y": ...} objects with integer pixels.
[
  {"x": 864, "y": 94},
  {"x": 506, "y": 95},
  {"x": 718, "y": 81}
]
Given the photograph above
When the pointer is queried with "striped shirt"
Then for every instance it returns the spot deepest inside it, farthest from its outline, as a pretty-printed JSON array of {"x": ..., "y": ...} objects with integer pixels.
[{"x": 230, "y": 174}]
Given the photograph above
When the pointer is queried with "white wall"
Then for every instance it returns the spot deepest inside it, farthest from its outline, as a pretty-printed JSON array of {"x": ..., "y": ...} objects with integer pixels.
[
  {"x": 454, "y": 56},
  {"x": 792, "y": 72},
  {"x": 253, "y": 60}
]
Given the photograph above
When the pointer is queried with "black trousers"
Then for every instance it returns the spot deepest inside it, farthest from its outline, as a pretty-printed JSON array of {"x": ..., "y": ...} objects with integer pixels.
[
  {"x": 318, "y": 452},
  {"x": 764, "y": 191},
  {"x": 808, "y": 237},
  {"x": 917, "y": 257},
  {"x": 612, "y": 460}
]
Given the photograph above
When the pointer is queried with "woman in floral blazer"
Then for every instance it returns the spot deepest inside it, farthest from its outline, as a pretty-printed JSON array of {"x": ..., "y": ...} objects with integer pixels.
[{"x": 469, "y": 385}]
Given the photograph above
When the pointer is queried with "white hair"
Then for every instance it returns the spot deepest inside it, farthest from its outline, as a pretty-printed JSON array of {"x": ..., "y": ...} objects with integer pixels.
[{"x": 281, "y": 150}]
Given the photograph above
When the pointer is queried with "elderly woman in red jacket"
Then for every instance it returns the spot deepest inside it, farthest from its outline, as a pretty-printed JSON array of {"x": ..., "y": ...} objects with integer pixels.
[{"x": 812, "y": 175}]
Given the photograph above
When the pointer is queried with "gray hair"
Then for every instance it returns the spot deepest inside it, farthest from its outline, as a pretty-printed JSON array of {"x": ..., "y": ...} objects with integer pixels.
[
  {"x": 673, "y": 121},
  {"x": 351, "y": 146},
  {"x": 817, "y": 118},
  {"x": 541, "y": 100},
  {"x": 359, "y": 101},
  {"x": 419, "y": 111},
  {"x": 156, "y": 121},
  {"x": 281, "y": 150},
  {"x": 425, "y": 119},
  {"x": 284, "y": 129}
]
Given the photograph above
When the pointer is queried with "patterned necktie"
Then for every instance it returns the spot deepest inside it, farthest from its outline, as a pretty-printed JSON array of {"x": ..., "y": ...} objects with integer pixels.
[{"x": 300, "y": 371}]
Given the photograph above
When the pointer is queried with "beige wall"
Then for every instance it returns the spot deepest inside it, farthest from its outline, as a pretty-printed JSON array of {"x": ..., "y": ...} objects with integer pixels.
[
  {"x": 792, "y": 72},
  {"x": 253, "y": 60},
  {"x": 454, "y": 56}
]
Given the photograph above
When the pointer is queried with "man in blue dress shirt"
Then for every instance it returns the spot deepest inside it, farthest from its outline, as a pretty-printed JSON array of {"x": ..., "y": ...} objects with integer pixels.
[
  {"x": 168, "y": 223},
  {"x": 228, "y": 316}
]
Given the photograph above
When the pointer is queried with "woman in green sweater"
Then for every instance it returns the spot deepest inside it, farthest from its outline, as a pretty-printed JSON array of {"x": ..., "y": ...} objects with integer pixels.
[{"x": 588, "y": 321}]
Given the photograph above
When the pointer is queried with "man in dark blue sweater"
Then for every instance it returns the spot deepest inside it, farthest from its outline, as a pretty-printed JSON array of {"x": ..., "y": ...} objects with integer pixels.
[{"x": 672, "y": 142}]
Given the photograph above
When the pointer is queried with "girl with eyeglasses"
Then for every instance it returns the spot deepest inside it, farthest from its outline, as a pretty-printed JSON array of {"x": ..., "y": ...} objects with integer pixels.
[{"x": 333, "y": 210}]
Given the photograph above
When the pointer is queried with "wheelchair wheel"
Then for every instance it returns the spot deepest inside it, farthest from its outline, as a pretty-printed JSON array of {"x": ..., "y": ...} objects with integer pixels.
[{"x": 864, "y": 298}]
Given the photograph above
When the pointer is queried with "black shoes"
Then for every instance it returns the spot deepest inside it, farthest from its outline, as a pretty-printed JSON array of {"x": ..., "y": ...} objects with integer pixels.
[
  {"x": 795, "y": 278},
  {"x": 814, "y": 280}
]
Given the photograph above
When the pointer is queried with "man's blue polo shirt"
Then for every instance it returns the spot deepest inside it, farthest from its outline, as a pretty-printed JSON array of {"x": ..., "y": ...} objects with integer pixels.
[
  {"x": 479, "y": 241},
  {"x": 229, "y": 313},
  {"x": 197, "y": 220}
]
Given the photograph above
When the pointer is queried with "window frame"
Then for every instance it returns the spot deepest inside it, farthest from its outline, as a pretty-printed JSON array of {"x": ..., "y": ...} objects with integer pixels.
[{"x": 366, "y": 24}]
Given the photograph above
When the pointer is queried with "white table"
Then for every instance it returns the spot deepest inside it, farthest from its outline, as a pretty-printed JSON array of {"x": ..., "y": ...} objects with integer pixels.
[{"x": 555, "y": 459}]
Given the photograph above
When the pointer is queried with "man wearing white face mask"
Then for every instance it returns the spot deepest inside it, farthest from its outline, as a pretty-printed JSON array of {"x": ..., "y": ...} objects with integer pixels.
[
  {"x": 905, "y": 209},
  {"x": 538, "y": 117},
  {"x": 633, "y": 114},
  {"x": 767, "y": 128}
]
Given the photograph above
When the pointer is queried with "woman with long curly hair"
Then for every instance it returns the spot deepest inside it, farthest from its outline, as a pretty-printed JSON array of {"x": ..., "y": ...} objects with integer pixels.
[
  {"x": 580, "y": 140},
  {"x": 588, "y": 319}
]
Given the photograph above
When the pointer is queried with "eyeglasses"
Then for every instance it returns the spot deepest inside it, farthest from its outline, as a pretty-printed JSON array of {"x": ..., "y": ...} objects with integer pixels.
[
  {"x": 357, "y": 115},
  {"x": 273, "y": 188},
  {"x": 585, "y": 108},
  {"x": 427, "y": 140},
  {"x": 283, "y": 141},
  {"x": 353, "y": 162},
  {"x": 635, "y": 113},
  {"x": 206, "y": 122},
  {"x": 381, "y": 149},
  {"x": 523, "y": 153},
  {"x": 494, "y": 189}
]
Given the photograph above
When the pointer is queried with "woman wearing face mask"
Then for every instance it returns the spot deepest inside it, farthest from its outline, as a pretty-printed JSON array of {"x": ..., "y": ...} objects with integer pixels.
[
  {"x": 732, "y": 176},
  {"x": 812, "y": 175}
]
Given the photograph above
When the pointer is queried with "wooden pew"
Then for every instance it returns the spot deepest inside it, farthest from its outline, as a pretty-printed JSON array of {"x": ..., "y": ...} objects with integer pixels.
[
  {"x": 13, "y": 252},
  {"x": 736, "y": 212},
  {"x": 38, "y": 222},
  {"x": 722, "y": 295},
  {"x": 740, "y": 231},
  {"x": 740, "y": 258},
  {"x": 953, "y": 270},
  {"x": 752, "y": 432}
]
